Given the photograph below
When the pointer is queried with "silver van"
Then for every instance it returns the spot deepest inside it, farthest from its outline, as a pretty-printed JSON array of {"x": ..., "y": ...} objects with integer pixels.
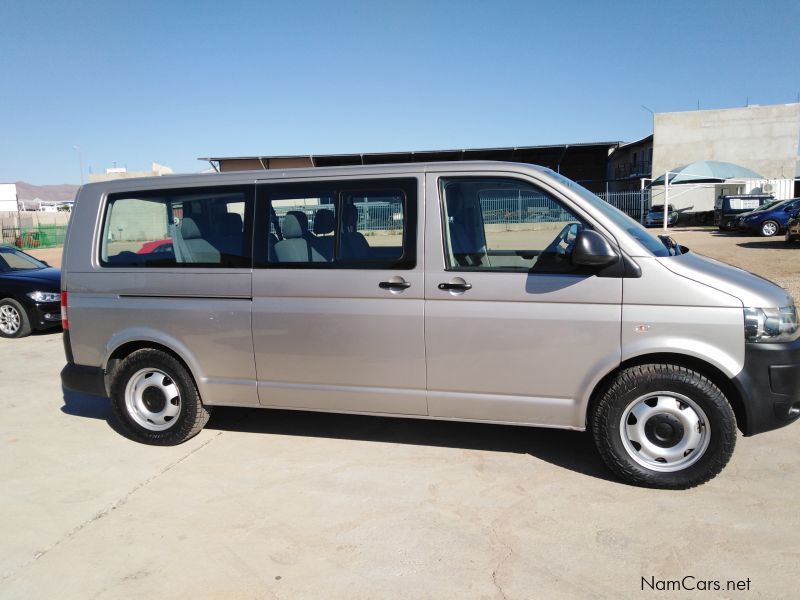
[{"x": 470, "y": 291}]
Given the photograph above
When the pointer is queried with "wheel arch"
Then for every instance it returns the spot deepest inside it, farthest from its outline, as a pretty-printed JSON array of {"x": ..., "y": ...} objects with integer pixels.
[
  {"x": 125, "y": 349},
  {"x": 706, "y": 369}
]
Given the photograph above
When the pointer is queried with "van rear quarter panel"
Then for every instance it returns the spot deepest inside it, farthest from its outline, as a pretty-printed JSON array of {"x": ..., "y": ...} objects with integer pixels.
[
  {"x": 203, "y": 315},
  {"x": 211, "y": 333}
]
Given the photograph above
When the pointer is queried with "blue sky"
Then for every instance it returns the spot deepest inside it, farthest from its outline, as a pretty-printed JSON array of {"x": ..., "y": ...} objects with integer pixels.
[{"x": 135, "y": 82}]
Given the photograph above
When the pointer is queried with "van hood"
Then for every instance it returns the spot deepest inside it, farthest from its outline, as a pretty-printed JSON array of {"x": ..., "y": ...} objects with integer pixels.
[{"x": 751, "y": 289}]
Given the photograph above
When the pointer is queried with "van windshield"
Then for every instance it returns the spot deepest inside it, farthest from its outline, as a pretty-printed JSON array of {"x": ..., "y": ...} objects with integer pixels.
[{"x": 620, "y": 219}]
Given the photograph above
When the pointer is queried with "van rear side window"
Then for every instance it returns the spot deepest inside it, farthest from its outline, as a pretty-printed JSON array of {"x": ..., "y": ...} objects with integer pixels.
[{"x": 198, "y": 227}]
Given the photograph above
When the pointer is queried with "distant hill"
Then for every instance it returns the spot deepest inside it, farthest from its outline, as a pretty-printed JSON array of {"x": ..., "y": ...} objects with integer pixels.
[{"x": 51, "y": 193}]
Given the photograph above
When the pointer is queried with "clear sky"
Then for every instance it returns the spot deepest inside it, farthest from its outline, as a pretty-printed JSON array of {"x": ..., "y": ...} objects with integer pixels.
[{"x": 136, "y": 82}]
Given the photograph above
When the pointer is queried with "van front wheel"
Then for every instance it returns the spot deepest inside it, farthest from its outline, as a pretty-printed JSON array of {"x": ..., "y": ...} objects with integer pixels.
[
  {"x": 155, "y": 400},
  {"x": 664, "y": 426}
]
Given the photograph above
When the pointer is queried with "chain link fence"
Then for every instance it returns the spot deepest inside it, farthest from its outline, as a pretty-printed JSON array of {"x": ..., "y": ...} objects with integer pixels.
[
  {"x": 635, "y": 204},
  {"x": 372, "y": 216}
]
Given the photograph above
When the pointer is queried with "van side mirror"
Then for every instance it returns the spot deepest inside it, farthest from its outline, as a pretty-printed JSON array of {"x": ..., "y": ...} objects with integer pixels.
[{"x": 593, "y": 250}]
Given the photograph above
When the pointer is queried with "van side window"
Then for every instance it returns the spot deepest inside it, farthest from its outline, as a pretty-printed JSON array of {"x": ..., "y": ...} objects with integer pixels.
[
  {"x": 498, "y": 224},
  {"x": 346, "y": 224},
  {"x": 197, "y": 227}
]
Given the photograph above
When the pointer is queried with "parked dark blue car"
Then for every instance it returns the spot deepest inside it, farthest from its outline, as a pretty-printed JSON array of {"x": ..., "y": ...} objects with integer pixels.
[
  {"x": 30, "y": 294},
  {"x": 771, "y": 221}
]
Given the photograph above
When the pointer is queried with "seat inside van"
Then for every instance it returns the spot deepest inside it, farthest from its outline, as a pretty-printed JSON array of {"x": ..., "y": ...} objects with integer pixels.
[
  {"x": 467, "y": 240},
  {"x": 324, "y": 226},
  {"x": 352, "y": 243},
  {"x": 296, "y": 245},
  {"x": 197, "y": 248}
]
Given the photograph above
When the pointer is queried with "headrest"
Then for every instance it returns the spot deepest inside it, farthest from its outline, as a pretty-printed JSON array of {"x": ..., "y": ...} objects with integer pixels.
[
  {"x": 349, "y": 215},
  {"x": 189, "y": 229},
  {"x": 291, "y": 226},
  {"x": 302, "y": 219},
  {"x": 324, "y": 221},
  {"x": 231, "y": 224}
]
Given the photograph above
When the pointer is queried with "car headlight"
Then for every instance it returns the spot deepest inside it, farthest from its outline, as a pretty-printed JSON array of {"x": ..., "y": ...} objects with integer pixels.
[
  {"x": 771, "y": 324},
  {"x": 45, "y": 296}
]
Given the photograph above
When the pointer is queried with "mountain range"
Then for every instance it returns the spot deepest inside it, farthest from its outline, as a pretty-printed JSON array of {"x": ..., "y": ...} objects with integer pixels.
[{"x": 51, "y": 193}]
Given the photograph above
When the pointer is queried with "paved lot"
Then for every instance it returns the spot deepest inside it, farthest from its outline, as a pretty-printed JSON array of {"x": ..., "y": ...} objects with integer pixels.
[
  {"x": 272, "y": 504},
  {"x": 772, "y": 258}
]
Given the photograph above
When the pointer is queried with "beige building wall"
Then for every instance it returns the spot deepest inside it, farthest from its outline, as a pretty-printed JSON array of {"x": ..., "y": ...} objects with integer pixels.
[
  {"x": 137, "y": 220},
  {"x": 253, "y": 164},
  {"x": 762, "y": 138},
  {"x": 240, "y": 165}
]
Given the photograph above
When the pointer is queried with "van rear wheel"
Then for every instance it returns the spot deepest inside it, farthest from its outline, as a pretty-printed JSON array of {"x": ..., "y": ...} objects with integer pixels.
[
  {"x": 155, "y": 399},
  {"x": 664, "y": 426}
]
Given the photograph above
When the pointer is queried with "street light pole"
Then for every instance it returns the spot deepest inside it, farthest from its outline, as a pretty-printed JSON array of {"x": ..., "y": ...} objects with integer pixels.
[{"x": 80, "y": 160}]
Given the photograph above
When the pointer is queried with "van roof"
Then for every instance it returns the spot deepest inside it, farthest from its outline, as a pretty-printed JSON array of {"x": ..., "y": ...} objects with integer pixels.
[{"x": 315, "y": 172}]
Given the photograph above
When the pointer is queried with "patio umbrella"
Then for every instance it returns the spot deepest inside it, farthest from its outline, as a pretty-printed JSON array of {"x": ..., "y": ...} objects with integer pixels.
[{"x": 707, "y": 171}]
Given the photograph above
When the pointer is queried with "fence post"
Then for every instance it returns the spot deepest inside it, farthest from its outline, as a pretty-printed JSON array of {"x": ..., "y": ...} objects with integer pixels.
[{"x": 641, "y": 206}]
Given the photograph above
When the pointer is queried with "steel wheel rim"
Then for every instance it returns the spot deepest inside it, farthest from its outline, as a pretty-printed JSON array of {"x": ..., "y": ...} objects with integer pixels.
[
  {"x": 152, "y": 399},
  {"x": 10, "y": 319},
  {"x": 665, "y": 431},
  {"x": 769, "y": 228}
]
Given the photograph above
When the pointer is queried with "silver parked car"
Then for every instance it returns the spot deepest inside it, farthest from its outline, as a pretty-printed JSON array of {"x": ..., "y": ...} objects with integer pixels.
[{"x": 473, "y": 291}]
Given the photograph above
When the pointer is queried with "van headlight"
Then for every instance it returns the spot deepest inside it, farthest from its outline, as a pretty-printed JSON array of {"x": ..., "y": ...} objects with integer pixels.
[
  {"x": 44, "y": 296},
  {"x": 771, "y": 324}
]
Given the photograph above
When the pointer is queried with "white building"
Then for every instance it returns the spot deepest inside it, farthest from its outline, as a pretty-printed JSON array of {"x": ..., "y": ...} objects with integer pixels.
[
  {"x": 8, "y": 197},
  {"x": 763, "y": 139}
]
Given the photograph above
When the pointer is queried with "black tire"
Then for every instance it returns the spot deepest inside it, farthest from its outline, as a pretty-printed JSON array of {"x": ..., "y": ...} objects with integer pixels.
[
  {"x": 769, "y": 228},
  {"x": 14, "y": 321},
  {"x": 165, "y": 373},
  {"x": 629, "y": 388}
]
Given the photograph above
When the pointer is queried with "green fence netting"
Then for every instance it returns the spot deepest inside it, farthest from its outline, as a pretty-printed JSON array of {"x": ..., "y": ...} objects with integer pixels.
[{"x": 40, "y": 236}]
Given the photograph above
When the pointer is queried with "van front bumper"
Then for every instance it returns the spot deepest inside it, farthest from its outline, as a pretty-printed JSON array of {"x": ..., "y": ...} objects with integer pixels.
[{"x": 769, "y": 385}]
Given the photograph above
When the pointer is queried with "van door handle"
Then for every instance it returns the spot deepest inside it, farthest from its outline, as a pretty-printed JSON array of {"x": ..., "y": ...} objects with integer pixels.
[
  {"x": 394, "y": 284},
  {"x": 455, "y": 287}
]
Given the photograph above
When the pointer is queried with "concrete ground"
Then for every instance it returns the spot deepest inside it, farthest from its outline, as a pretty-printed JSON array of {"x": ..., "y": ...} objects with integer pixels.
[{"x": 274, "y": 504}]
